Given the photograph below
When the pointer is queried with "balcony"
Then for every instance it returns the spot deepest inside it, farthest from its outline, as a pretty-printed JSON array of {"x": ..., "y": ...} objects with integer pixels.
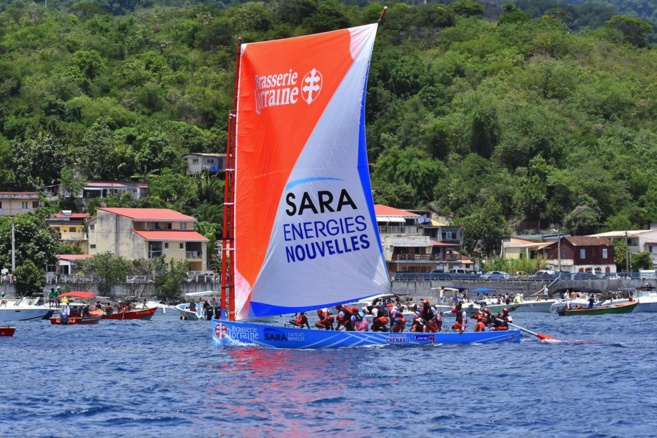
[{"x": 193, "y": 254}]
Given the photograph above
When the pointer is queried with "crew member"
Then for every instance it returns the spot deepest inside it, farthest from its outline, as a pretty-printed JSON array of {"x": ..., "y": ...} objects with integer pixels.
[
  {"x": 344, "y": 318},
  {"x": 480, "y": 325},
  {"x": 501, "y": 320},
  {"x": 326, "y": 319},
  {"x": 397, "y": 321},
  {"x": 301, "y": 320}
]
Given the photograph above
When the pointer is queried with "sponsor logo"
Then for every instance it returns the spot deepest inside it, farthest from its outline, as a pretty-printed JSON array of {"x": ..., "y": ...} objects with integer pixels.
[
  {"x": 424, "y": 338},
  {"x": 275, "y": 335},
  {"x": 221, "y": 330},
  {"x": 312, "y": 85},
  {"x": 280, "y": 89},
  {"x": 397, "y": 339},
  {"x": 239, "y": 333}
]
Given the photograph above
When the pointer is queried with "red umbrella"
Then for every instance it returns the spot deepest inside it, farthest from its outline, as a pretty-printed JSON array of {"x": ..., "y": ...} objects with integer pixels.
[{"x": 78, "y": 294}]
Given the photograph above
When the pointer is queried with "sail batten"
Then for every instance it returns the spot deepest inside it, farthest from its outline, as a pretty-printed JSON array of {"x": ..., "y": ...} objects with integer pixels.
[{"x": 305, "y": 230}]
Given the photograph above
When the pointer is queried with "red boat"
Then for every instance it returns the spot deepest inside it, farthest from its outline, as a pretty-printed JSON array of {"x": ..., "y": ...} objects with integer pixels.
[
  {"x": 93, "y": 318},
  {"x": 145, "y": 314},
  {"x": 7, "y": 331}
]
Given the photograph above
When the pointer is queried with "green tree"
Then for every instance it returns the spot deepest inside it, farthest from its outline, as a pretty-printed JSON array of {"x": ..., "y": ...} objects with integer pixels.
[
  {"x": 33, "y": 241},
  {"x": 30, "y": 280},
  {"x": 484, "y": 230},
  {"x": 168, "y": 286},
  {"x": 108, "y": 269},
  {"x": 634, "y": 30},
  {"x": 642, "y": 260}
]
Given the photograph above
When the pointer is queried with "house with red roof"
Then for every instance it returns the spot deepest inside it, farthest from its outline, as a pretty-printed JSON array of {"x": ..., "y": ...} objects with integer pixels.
[
  {"x": 592, "y": 254},
  {"x": 15, "y": 203},
  {"x": 413, "y": 243},
  {"x": 138, "y": 233}
]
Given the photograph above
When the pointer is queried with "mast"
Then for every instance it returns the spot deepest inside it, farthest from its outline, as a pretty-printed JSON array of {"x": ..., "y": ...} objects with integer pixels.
[{"x": 228, "y": 243}]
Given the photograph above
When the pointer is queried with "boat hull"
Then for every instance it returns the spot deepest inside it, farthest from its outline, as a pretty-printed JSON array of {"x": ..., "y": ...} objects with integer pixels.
[
  {"x": 243, "y": 333},
  {"x": 76, "y": 320},
  {"x": 600, "y": 310},
  {"x": 7, "y": 331},
  {"x": 18, "y": 314},
  {"x": 144, "y": 314},
  {"x": 534, "y": 306}
]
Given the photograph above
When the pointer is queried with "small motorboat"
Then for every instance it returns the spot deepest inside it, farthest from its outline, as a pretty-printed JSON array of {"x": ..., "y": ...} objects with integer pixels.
[
  {"x": 93, "y": 318},
  {"x": 626, "y": 307},
  {"x": 145, "y": 314},
  {"x": 7, "y": 331}
]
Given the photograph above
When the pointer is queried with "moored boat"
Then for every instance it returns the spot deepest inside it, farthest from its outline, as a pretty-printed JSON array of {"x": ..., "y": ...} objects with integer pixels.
[
  {"x": 24, "y": 309},
  {"x": 93, "y": 318},
  {"x": 647, "y": 298},
  {"x": 145, "y": 314},
  {"x": 7, "y": 331},
  {"x": 627, "y": 307},
  {"x": 534, "y": 305},
  {"x": 297, "y": 173}
]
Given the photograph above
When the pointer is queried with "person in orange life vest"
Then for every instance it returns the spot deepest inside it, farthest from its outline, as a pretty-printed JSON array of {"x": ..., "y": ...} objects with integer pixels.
[
  {"x": 438, "y": 321},
  {"x": 480, "y": 325},
  {"x": 344, "y": 318},
  {"x": 379, "y": 319},
  {"x": 418, "y": 323},
  {"x": 301, "y": 320},
  {"x": 501, "y": 320},
  {"x": 326, "y": 319},
  {"x": 488, "y": 318},
  {"x": 429, "y": 317},
  {"x": 397, "y": 321}
]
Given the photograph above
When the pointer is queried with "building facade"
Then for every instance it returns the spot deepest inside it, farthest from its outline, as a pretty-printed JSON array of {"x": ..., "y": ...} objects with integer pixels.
[
  {"x": 144, "y": 233},
  {"x": 15, "y": 203}
]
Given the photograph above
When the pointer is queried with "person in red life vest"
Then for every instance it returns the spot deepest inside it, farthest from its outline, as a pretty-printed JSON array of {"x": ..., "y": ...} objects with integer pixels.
[
  {"x": 397, "y": 321},
  {"x": 438, "y": 321},
  {"x": 480, "y": 325},
  {"x": 379, "y": 319},
  {"x": 325, "y": 319},
  {"x": 358, "y": 320},
  {"x": 461, "y": 323},
  {"x": 501, "y": 320},
  {"x": 344, "y": 318},
  {"x": 301, "y": 320}
]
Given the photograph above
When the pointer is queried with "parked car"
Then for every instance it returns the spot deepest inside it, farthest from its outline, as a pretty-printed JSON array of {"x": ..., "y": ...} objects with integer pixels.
[
  {"x": 585, "y": 276},
  {"x": 519, "y": 275},
  {"x": 545, "y": 276},
  {"x": 462, "y": 274},
  {"x": 439, "y": 275},
  {"x": 494, "y": 275}
]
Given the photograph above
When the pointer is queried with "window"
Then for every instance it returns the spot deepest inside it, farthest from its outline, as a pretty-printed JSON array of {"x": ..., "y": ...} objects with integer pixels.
[
  {"x": 92, "y": 246},
  {"x": 24, "y": 205},
  {"x": 605, "y": 253},
  {"x": 92, "y": 227},
  {"x": 181, "y": 246},
  {"x": 166, "y": 245},
  {"x": 0, "y": 204},
  {"x": 195, "y": 161},
  {"x": 183, "y": 225},
  {"x": 35, "y": 204},
  {"x": 582, "y": 253}
]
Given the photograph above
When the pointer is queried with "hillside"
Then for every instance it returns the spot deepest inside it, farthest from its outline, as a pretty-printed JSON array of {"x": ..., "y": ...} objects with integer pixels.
[{"x": 497, "y": 122}]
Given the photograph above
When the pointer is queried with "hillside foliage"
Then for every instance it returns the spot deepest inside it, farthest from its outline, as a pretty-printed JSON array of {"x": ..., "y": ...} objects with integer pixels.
[{"x": 514, "y": 117}]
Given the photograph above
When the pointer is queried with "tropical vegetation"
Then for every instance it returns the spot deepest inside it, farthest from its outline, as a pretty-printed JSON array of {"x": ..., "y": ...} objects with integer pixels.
[{"x": 506, "y": 117}]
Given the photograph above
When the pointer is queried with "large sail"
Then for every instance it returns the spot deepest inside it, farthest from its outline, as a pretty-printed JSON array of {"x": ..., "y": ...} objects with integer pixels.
[{"x": 305, "y": 229}]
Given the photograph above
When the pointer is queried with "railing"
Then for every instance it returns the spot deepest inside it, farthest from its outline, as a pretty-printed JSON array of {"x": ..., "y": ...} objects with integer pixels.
[
  {"x": 424, "y": 257},
  {"x": 194, "y": 254}
]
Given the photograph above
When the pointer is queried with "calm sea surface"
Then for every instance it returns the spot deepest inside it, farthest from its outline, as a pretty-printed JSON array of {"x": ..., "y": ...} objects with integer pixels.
[{"x": 163, "y": 378}]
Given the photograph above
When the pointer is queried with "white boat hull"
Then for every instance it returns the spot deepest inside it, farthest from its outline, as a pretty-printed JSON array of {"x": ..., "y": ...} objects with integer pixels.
[
  {"x": 534, "y": 306},
  {"x": 19, "y": 314}
]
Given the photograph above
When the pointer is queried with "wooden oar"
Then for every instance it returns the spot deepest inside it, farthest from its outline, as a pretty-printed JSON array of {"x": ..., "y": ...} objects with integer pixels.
[{"x": 540, "y": 336}]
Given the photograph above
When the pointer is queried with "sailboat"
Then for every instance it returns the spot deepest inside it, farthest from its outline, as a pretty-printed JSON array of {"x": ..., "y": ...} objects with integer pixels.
[{"x": 300, "y": 230}]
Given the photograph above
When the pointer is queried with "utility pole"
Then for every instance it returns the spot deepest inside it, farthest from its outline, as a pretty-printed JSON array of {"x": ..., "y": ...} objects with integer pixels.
[{"x": 559, "y": 247}]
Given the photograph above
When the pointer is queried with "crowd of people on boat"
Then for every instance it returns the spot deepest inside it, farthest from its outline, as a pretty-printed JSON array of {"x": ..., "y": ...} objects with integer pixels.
[{"x": 387, "y": 316}]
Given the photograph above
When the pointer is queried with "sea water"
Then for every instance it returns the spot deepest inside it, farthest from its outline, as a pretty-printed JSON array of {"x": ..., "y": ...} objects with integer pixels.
[{"x": 163, "y": 378}]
